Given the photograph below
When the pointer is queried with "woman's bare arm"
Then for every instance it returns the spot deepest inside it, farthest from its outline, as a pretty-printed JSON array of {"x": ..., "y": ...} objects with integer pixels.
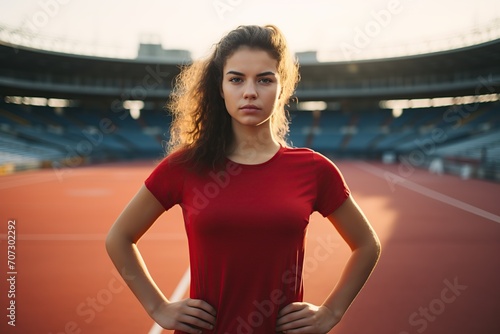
[
  {"x": 121, "y": 243},
  {"x": 355, "y": 229}
]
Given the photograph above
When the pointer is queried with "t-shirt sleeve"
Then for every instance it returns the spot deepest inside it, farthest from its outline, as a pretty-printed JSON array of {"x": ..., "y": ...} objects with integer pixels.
[
  {"x": 332, "y": 189},
  {"x": 166, "y": 183}
]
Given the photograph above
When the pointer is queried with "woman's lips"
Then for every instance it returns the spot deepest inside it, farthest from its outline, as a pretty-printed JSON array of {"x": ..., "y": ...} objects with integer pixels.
[{"x": 249, "y": 108}]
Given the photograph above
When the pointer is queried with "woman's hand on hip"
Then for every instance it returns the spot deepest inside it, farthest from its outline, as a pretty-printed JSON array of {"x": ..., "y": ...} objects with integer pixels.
[
  {"x": 306, "y": 318},
  {"x": 188, "y": 315}
]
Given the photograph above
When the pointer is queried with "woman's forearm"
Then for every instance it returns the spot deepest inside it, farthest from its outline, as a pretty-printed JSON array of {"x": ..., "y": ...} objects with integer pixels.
[
  {"x": 130, "y": 264},
  {"x": 355, "y": 274}
]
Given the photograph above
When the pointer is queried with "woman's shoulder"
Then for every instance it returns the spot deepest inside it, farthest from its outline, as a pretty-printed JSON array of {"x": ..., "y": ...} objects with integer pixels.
[
  {"x": 307, "y": 156},
  {"x": 298, "y": 150},
  {"x": 173, "y": 160},
  {"x": 304, "y": 153}
]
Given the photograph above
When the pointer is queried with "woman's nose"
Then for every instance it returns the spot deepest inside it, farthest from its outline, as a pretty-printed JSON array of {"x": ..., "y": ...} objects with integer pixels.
[{"x": 250, "y": 91}]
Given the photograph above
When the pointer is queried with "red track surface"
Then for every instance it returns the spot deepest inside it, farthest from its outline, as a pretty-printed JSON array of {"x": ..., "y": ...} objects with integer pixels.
[{"x": 438, "y": 273}]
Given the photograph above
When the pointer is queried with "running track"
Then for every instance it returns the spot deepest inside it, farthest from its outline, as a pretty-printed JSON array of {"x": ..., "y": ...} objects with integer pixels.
[{"x": 439, "y": 272}]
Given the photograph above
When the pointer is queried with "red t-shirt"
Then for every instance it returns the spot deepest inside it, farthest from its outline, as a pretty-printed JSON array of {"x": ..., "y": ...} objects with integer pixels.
[{"x": 246, "y": 226}]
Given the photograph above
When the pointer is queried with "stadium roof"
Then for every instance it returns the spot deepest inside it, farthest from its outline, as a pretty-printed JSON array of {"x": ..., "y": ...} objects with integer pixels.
[
  {"x": 339, "y": 30},
  {"x": 447, "y": 73}
]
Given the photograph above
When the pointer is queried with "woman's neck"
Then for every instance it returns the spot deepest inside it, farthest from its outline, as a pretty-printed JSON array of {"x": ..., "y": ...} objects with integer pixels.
[{"x": 253, "y": 145}]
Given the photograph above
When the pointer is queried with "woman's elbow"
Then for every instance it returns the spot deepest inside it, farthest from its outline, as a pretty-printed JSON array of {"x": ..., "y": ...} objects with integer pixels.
[
  {"x": 371, "y": 247},
  {"x": 375, "y": 247},
  {"x": 110, "y": 242},
  {"x": 114, "y": 241}
]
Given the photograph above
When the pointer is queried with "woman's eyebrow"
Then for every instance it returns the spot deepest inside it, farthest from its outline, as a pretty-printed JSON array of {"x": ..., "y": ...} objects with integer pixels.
[
  {"x": 263, "y": 74},
  {"x": 258, "y": 75}
]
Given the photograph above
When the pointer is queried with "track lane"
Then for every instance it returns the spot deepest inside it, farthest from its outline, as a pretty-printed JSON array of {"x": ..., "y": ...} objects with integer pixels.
[{"x": 66, "y": 279}]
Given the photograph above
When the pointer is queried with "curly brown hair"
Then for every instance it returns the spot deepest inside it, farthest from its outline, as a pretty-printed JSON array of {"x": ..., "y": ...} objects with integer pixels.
[{"x": 201, "y": 125}]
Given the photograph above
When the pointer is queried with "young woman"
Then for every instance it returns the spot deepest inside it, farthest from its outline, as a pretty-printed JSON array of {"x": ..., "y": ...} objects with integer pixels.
[{"x": 246, "y": 198}]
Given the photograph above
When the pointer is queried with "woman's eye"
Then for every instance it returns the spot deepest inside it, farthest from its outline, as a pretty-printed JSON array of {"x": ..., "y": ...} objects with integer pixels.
[
  {"x": 266, "y": 80},
  {"x": 235, "y": 80}
]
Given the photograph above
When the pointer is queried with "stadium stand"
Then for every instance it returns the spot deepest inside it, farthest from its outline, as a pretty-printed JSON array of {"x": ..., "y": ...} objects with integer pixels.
[
  {"x": 96, "y": 127},
  {"x": 35, "y": 136}
]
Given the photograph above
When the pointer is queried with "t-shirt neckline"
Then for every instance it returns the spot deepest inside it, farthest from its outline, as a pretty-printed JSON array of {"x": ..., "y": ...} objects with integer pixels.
[{"x": 265, "y": 163}]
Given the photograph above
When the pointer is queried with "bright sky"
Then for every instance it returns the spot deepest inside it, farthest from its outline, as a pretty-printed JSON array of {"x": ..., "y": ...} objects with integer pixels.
[{"x": 328, "y": 26}]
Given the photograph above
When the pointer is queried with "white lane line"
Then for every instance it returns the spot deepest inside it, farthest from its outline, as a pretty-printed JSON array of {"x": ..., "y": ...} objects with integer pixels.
[
  {"x": 31, "y": 179},
  {"x": 90, "y": 237},
  {"x": 56, "y": 176},
  {"x": 177, "y": 295},
  {"x": 403, "y": 182},
  {"x": 18, "y": 180}
]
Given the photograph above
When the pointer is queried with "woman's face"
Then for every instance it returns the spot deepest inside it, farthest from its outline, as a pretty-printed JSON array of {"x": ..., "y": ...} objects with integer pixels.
[{"x": 250, "y": 86}]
